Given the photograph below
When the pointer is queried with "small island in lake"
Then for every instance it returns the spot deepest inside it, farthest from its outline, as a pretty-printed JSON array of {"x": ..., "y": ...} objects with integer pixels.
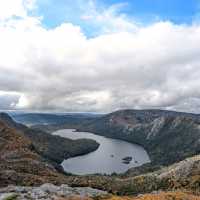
[{"x": 127, "y": 160}]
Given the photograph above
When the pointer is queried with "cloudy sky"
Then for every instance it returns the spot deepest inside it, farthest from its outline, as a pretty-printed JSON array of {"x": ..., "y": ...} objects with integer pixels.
[{"x": 99, "y": 55}]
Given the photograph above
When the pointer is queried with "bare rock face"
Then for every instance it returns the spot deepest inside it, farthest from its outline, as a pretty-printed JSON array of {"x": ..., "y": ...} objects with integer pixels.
[{"x": 49, "y": 192}]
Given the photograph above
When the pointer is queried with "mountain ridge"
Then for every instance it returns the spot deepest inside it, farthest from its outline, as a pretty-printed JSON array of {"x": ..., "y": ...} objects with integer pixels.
[
  {"x": 173, "y": 134},
  {"x": 159, "y": 132}
]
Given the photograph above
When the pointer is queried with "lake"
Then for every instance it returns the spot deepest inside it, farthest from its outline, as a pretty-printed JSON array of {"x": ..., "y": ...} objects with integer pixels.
[{"x": 107, "y": 159}]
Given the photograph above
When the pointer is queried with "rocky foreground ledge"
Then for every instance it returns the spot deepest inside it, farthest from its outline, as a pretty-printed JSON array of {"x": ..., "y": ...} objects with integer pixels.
[
  {"x": 64, "y": 192},
  {"x": 49, "y": 192}
]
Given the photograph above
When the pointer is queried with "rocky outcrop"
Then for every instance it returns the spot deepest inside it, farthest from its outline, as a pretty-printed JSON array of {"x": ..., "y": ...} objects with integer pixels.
[
  {"x": 64, "y": 192},
  {"x": 49, "y": 192},
  {"x": 184, "y": 175}
]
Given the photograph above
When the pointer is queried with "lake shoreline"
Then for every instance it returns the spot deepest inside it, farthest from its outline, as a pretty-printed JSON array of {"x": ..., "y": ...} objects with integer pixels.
[{"x": 110, "y": 153}]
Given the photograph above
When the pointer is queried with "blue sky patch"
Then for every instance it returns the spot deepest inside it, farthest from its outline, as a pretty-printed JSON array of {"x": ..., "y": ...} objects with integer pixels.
[{"x": 143, "y": 11}]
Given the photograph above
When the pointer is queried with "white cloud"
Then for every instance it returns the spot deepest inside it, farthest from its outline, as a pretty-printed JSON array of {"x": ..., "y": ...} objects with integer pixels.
[
  {"x": 22, "y": 102},
  {"x": 15, "y": 8},
  {"x": 8, "y": 100},
  {"x": 60, "y": 68},
  {"x": 107, "y": 20}
]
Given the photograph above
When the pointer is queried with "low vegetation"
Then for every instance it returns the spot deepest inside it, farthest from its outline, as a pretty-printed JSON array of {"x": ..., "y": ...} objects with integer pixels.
[{"x": 28, "y": 156}]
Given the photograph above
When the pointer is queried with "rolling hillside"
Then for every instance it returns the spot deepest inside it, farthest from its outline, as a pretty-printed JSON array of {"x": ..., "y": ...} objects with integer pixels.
[{"x": 28, "y": 153}]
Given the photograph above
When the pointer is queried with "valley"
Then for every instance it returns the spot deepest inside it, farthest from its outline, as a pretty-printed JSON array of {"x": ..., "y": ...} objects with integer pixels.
[{"x": 171, "y": 140}]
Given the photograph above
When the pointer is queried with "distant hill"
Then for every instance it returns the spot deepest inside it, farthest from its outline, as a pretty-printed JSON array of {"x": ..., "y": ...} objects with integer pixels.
[{"x": 31, "y": 119}]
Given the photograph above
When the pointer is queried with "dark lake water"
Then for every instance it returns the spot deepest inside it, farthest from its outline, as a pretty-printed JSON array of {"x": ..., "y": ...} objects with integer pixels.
[{"x": 107, "y": 158}]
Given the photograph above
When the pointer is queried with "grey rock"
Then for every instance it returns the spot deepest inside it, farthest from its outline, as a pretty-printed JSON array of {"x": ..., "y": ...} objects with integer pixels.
[
  {"x": 47, "y": 192},
  {"x": 8, "y": 196}
]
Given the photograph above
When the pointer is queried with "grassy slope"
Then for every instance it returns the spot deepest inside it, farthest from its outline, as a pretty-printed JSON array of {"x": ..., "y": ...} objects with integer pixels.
[
  {"x": 20, "y": 164},
  {"x": 54, "y": 148}
]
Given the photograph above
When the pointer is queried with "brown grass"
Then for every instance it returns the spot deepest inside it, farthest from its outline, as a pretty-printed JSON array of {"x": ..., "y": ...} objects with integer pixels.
[{"x": 161, "y": 196}]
